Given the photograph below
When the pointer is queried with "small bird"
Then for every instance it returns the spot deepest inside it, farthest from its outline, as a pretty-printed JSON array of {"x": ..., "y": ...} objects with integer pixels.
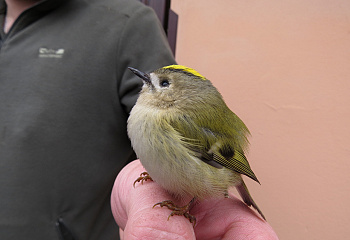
[{"x": 187, "y": 139}]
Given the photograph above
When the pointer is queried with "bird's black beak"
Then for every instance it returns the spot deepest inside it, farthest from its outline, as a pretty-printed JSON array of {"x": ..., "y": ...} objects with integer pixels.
[{"x": 144, "y": 76}]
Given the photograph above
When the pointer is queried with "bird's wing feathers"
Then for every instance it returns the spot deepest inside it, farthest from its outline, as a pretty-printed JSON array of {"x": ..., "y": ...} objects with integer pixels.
[
  {"x": 237, "y": 162},
  {"x": 217, "y": 147}
]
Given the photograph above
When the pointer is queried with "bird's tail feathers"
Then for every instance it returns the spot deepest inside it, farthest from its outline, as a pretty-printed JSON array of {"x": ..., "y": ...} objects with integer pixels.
[{"x": 247, "y": 198}]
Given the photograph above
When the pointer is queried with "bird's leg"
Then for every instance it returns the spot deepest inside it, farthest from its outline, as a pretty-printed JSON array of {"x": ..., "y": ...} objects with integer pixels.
[
  {"x": 143, "y": 177},
  {"x": 226, "y": 194},
  {"x": 181, "y": 211}
]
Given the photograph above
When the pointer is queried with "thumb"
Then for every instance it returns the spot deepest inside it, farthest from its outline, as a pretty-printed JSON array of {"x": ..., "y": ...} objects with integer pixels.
[{"x": 133, "y": 212}]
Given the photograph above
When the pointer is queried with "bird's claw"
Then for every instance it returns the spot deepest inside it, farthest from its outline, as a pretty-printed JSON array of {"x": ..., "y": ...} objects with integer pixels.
[
  {"x": 143, "y": 177},
  {"x": 180, "y": 211}
]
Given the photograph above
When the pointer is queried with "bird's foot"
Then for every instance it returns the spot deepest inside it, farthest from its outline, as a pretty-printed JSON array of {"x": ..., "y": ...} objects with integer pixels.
[
  {"x": 143, "y": 177},
  {"x": 180, "y": 211}
]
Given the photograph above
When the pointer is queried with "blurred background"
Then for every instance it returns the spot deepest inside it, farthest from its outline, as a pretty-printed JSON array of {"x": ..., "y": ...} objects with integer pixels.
[{"x": 284, "y": 68}]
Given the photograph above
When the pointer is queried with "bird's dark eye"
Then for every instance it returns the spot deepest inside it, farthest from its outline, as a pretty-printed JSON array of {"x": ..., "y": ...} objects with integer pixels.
[{"x": 164, "y": 83}]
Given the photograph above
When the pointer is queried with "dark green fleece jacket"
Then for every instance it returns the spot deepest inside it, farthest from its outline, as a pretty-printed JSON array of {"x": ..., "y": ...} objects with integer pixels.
[{"x": 65, "y": 95}]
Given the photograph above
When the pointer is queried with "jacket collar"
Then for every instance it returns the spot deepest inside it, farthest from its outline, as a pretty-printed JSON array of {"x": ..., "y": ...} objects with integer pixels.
[
  {"x": 31, "y": 14},
  {"x": 45, "y": 5}
]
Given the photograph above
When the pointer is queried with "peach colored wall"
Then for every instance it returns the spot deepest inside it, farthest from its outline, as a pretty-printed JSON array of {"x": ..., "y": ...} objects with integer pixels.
[{"x": 284, "y": 67}]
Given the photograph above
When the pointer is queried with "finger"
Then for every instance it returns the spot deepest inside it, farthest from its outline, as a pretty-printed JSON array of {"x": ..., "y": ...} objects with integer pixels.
[
  {"x": 133, "y": 208},
  {"x": 121, "y": 234},
  {"x": 231, "y": 219}
]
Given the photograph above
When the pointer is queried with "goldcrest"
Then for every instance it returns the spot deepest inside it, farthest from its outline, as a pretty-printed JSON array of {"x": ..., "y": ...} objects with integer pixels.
[{"x": 187, "y": 138}]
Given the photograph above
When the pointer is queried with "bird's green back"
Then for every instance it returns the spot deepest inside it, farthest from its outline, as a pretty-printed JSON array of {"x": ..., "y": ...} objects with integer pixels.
[{"x": 216, "y": 134}]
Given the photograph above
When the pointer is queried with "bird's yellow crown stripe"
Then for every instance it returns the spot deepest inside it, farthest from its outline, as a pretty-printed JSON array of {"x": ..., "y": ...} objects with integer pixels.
[{"x": 186, "y": 69}]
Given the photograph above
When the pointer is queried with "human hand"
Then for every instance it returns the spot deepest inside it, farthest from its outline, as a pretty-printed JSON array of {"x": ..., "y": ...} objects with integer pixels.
[{"x": 226, "y": 218}]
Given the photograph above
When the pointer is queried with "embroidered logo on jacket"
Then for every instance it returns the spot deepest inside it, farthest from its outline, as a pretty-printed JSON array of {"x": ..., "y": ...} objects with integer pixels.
[{"x": 51, "y": 53}]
